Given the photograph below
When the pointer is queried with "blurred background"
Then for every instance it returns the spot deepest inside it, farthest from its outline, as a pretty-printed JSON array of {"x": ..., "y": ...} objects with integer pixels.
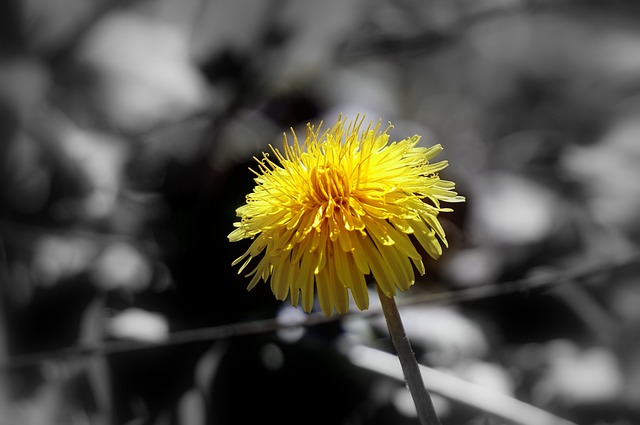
[{"x": 126, "y": 132}]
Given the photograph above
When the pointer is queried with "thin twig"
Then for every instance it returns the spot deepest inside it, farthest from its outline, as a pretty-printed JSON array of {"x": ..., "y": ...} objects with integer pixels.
[
  {"x": 257, "y": 327},
  {"x": 421, "y": 398}
]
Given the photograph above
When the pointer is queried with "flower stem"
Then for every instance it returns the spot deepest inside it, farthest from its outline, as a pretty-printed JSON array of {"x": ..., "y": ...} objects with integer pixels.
[{"x": 424, "y": 405}]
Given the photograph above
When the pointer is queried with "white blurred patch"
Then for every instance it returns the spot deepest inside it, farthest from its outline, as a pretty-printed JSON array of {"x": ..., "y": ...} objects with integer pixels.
[
  {"x": 139, "y": 325},
  {"x": 289, "y": 315},
  {"x": 579, "y": 376},
  {"x": 121, "y": 265},
  {"x": 473, "y": 267},
  {"x": 366, "y": 91},
  {"x": 99, "y": 159},
  {"x": 145, "y": 69},
  {"x": 59, "y": 257},
  {"x": 271, "y": 356},
  {"x": 192, "y": 408},
  {"x": 402, "y": 400},
  {"x": 610, "y": 172},
  {"x": 487, "y": 375},
  {"x": 445, "y": 333},
  {"x": 513, "y": 210},
  {"x": 625, "y": 301},
  {"x": 619, "y": 54}
]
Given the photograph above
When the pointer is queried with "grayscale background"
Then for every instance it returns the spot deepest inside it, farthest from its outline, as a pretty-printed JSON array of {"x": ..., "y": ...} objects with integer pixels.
[{"x": 126, "y": 132}]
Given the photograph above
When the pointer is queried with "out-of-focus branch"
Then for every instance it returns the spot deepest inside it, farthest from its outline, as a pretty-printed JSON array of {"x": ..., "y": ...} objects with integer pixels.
[
  {"x": 453, "y": 388},
  {"x": 257, "y": 327}
]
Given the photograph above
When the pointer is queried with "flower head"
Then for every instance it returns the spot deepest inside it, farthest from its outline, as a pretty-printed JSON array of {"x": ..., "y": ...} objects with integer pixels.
[{"x": 340, "y": 206}]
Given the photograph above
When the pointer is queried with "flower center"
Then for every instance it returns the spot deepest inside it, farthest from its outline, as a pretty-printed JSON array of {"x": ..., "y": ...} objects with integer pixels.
[{"x": 329, "y": 183}]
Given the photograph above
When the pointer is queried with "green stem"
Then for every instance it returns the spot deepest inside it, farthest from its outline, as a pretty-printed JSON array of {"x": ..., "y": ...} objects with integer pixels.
[{"x": 424, "y": 405}]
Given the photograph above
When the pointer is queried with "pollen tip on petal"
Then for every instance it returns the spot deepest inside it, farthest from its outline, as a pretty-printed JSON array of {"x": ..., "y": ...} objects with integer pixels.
[
  {"x": 388, "y": 293},
  {"x": 253, "y": 282},
  {"x": 419, "y": 265}
]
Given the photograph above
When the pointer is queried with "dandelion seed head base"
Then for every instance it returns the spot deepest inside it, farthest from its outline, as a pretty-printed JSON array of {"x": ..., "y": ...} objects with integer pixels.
[{"x": 338, "y": 207}]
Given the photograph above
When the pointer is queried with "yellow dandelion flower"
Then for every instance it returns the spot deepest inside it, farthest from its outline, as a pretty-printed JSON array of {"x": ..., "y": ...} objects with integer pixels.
[{"x": 338, "y": 207}]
